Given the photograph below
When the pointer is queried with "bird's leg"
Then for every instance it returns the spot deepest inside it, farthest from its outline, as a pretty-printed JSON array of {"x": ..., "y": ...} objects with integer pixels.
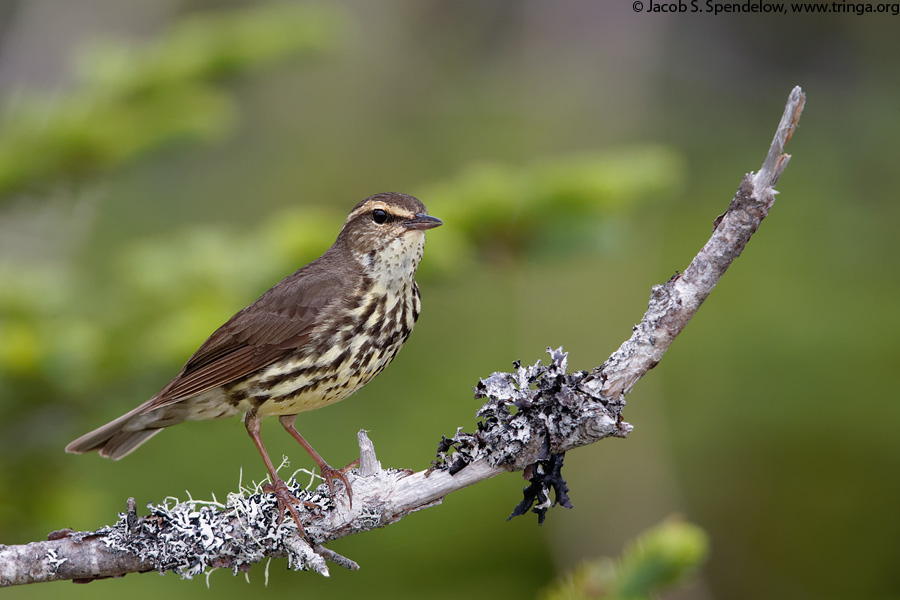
[
  {"x": 328, "y": 474},
  {"x": 286, "y": 500}
]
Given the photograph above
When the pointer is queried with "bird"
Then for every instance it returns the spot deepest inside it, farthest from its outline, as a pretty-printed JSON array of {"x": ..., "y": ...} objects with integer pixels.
[{"x": 311, "y": 340}]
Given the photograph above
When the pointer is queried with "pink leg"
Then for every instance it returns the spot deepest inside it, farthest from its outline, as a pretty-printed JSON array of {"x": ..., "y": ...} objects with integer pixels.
[
  {"x": 328, "y": 474},
  {"x": 284, "y": 497}
]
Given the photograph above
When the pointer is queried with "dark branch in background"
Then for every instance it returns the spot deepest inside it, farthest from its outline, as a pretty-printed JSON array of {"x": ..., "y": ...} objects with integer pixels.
[{"x": 531, "y": 417}]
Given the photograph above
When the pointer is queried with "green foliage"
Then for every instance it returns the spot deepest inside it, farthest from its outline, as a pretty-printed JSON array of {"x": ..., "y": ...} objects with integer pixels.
[
  {"x": 662, "y": 557},
  {"x": 129, "y": 98},
  {"x": 510, "y": 211},
  {"x": 67, "y": 328},
  {"x": 160, "y": 296}
]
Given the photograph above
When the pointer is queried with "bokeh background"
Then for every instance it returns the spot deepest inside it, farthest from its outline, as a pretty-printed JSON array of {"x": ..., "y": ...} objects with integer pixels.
[{"x": 162, "y": 163}]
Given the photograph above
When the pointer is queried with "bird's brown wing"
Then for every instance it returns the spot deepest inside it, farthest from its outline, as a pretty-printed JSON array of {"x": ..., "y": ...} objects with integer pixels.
[{"x": 280, "y": 321}]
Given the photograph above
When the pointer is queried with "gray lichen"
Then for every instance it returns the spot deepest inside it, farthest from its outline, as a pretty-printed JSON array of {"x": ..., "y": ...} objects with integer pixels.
[
  {"x": 529, "y": 417},
  {"x": 193, "y": 537}
]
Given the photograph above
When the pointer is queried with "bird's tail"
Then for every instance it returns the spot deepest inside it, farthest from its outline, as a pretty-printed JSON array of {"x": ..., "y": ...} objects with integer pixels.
[{"x": 112, "y": 440}]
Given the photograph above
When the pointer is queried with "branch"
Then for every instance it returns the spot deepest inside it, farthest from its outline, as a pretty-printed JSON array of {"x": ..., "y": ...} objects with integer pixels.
[
  {"x": 531, "y": 417},
  {"x": 674, "y": 303}
]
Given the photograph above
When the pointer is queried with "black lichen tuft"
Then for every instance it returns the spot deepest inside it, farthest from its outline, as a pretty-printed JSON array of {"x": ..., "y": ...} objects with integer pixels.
[{"x": 546, "y": 475}]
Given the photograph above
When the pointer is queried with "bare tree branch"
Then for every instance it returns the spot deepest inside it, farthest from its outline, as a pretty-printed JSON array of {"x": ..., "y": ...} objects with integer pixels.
[
  {"x": 674, "y": 303},
  {"x": 530, "y": 419}
]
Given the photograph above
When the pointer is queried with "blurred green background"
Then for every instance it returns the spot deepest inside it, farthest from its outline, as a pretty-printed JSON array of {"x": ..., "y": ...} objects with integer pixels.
[{"x": 163, "y": 163}]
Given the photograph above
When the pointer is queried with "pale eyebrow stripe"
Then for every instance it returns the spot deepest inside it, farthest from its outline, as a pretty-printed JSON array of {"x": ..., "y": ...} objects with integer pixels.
[
  {"x": 368, "y": 207},
  {"x": 364, "y": 209}
]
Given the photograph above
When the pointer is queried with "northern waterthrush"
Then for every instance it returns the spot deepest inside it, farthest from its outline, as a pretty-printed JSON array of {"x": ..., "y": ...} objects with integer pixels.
[{"x": 310, "y": 341}]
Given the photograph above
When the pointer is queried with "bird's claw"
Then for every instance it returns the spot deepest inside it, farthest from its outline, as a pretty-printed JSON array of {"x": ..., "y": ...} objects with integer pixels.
[
  {"x": 330, "y": 475},
  {"x": 287, "y": 502}
]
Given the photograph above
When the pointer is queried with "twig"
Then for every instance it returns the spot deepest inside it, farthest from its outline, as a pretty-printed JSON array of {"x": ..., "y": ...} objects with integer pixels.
[{"x": 531, "y": 417}]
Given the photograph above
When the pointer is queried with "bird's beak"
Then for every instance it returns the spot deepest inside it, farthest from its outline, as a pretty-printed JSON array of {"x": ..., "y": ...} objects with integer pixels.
[{"x": 423, "y": 221}]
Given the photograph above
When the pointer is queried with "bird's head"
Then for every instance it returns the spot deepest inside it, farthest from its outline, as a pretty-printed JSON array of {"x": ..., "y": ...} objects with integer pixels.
[{"x": 386, "y": 234}]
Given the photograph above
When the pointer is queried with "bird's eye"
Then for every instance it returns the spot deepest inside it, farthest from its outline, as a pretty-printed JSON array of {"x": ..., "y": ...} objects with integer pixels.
[{"x": 379, "y": 216}]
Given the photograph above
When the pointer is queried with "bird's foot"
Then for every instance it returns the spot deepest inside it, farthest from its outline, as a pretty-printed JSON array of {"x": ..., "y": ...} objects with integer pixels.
[
  {"x": 287, "y": 502},
  {"x": 330, "y": 475}
]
